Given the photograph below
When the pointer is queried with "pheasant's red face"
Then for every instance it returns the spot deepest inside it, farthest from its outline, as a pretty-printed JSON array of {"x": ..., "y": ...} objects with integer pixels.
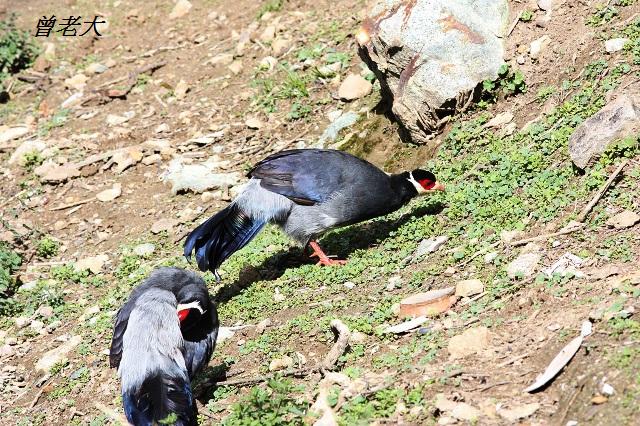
[
  {"x": 425, "y": 181},
  {"x": 184, "y": 311},
  {"x": 183, "y": 314}
]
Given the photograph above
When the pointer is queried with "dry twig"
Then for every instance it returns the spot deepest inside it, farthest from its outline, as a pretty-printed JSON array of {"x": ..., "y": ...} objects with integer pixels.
[
  {"x": 587, "y": 209},
  {"x": 338, "y": 348}
]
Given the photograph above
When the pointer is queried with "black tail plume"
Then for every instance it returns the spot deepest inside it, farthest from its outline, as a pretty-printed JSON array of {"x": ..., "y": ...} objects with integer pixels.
[
  {"x": 220, "y": 236},
  {"x": 161, "y": 397}
]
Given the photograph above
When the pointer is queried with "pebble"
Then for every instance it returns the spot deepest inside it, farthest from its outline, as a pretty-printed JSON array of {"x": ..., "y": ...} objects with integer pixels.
[
  {"x": 235, "y": 67},
  {"x": 615, "y": 44},
  {"x": 545, "y": 4},
  {"x": 524, "y": 265},
  {"x": 350, "y": 285},
  {"x": 181, "y": 8},
  {"x": 280, "y": 46},
  {"x": 538, "y": 46},
  {"x": 354, "y": 87},
  {"x": 469, "y": 288},
  {"x": 145, "y": 249}
]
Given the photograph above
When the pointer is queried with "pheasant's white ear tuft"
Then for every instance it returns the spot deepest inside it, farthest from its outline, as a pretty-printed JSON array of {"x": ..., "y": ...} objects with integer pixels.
[
  {"x": 417, "y": 185},
  {"x": 191, "y": 305}
]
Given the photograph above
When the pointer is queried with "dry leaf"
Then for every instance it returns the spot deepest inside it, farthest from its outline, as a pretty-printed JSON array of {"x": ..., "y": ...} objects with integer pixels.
[{"x": 562, "y": 359}]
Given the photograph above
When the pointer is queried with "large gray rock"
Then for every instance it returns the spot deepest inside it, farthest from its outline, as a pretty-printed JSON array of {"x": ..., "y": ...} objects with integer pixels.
[
  {"x": 614, "y": 121},
  {"x": 430, "y": 55}
]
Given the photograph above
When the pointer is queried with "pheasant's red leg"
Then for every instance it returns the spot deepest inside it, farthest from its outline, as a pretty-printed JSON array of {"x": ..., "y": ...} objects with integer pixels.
[{"x": 324, "y": 259}]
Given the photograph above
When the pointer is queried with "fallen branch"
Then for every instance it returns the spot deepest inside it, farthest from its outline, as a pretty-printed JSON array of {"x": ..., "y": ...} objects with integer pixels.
[
  {"x": 514, "y": 23},
  {"x": 565, "y": 231},
  {"x": 329, "y": 362},
  {"x": 587, "y": 209},
  {"x": 74, "y": 204}
]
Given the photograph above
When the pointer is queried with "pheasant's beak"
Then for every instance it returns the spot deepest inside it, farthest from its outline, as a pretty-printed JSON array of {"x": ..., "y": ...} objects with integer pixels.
[{"x": 438, "y": 187}]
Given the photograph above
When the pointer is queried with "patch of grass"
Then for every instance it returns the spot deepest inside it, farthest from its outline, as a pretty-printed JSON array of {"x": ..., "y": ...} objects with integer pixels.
[
  {"x": 508, "y": 83},
  {"x": 298, "y": 111},
  {"x": 270, "y": 6},
  {"x": 17, "y": 48},
  {"x": 57, "y": 120},
  {"x": 274, "y": 405},
  {"x": 544, "y": 93},
  {"x": 31, "y": 160},
  {"x": 602, "y": 15},
  {"x": 526, "y": 15},
  {"x": 10, "y": 261},
  {"x": 47, "y": 247}
]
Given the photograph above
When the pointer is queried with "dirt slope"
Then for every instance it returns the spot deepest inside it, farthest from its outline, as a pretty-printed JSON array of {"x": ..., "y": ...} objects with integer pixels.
[{"x": 262, "y": 77}]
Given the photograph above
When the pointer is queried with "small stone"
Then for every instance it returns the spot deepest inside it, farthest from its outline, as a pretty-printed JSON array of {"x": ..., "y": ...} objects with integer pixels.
[
  {"x": 616, "y": 120},
  {"x": 221, "y": 59},
  {"x": 490, "y": 257},
  {"x": 45, "y": 311},
  {"x": 524, "y": 265},
  {"x": 469, "y": 342},
  {"x": 268, "y": 63},
  {"x": 52, "y": 173},
  {"x": 519, "y": 412},
  {"x": 152, "y": 159},
  {"x": 520, "y": 59},
  {"x": 144, "y": 250},
  {"x": 93, "y": 263},
  {"x": 281, "y": 363},
  {"x": 509, "y": 236},
  {"x": 450, "y": 271},
  {"x": 96, "y": 68},
  {"x": 280, "y": 46},
  {"x": 430, "y": 245},
  {"x": 22, "y": 322},
  {"x": 116, "y": 120},
  {"x": 262, "y": 325},
  {"x": 625, "y": 219},
  {"x": 77, "y": 82},
  {"x": 500, "y": 120},
  {"x": 37, "y": 326},
  {"x": 181, "y": 89},
  {"x": 469, "y": 288},
  {"x": 180, "y": 9},
  {"x": 349, "y": 285},
  {"x": 110, "y": 194},
  {"x": 354, "y": 87},
  {"x": 464, "y": 411},
  {"x": 615, "y": 44},
  {"x": 277, "y": 296},
  {"x": 162, "y": 128},
  {"x": 607, "y": 389},
  {"x": 357, "y": 337},
  {"x": 236, "y": 67},
  {"x": 538, "y": 46},
  {"x": 6, "y": 351},
  {"x": 394, "y": 282},
  {"x": 207, "y": 196},
  {"x": 57, "y": 355},
  {"x": 241, "y": 342},
  {"x": 545, "y": 4},
  {"x": 12, "y": 133},
  {"x": 268, "y": 34},
  {"x": 163, "y": 225},
  {"x": 254, "y": 123}
]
